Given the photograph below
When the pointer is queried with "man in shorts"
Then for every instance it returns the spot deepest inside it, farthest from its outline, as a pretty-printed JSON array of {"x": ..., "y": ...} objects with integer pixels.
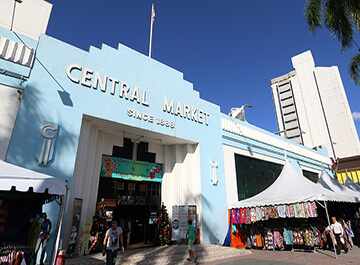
[
  {"x": 191, "y": 239},
  {"x": 111, "y": 243}
]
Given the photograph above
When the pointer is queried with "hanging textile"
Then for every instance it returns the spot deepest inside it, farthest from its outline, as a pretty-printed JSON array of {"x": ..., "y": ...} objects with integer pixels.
[
  {"x": 281, "y": 211},
  {"x": 288, "y": 236},
  {"x": 290, "y": 211},
  {"x": 242, "y": 216},
  {"x": 233, "y": 216},
  {"x": 270, "y": 240},
  {"x": 312, "y": 209},
  {"x": 247, "y": 216}
]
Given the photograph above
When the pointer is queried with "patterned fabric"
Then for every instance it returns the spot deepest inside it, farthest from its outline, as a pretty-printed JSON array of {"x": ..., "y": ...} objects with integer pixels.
[
  {"x": 297, "y": 210},
  {"x": 242, "y": 216},
  {"x": 233, "y": 216},
  {"x": 278, "y": 240},
  {"x": 297, "y": 237},
  {"x": 312, "y": 209},
  {"x": 317, "y": 236},
  {"x": 266, "y": 237},
  {"x": 308, "y": 236},
  {"x": 302, "y": 210},
  {"x": 268, "y": 212},
  {"x": 270, "y": 240},
  {"x": 271, "y": 212},
  {"x": 281, "y": 211},
  {"x": 247, "y": 216},
  {"x": 253, "y": 215},
  {"x": 258, "y": 214},
  {"x": 238, "y": 216},
  {"x": 288, "y": 236},
  {"x": 276, "y": 214},
  {"x": 289, "y": 211},
  {"x": 264, "y": 213}
]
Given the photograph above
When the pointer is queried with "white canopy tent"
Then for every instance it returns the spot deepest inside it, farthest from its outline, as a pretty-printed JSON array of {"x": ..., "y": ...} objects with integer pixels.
[
  {"x": 291, "y": 187},
  {"x": 25, "y": 180},
  {"x": 22, "y": 179},
  {"x": 327, "y": 182},
  {"x": 349, "y": 183}
]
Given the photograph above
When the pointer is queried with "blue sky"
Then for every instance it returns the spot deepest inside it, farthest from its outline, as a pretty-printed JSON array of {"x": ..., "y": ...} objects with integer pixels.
[{"x": 228, "y": 49}]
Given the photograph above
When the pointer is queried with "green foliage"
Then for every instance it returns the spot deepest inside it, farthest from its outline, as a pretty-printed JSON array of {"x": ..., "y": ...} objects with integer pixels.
[
  {"x": 341, "y": 18},
  {"x": 313, "y": 14},
  {"x": 163, "y": 228},
  {"x": 354, "y": 69}
]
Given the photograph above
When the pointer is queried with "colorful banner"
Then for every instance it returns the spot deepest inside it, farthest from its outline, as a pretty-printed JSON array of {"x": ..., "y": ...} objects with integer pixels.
[
  {"x": 175, "y": 223},
  {"x": 183, "y": 219},
  {"x": 115, "y": 167}
]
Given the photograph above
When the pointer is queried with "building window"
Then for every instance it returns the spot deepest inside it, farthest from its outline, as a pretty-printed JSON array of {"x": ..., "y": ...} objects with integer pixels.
[
  {"x": 254, "y": 175},
  {"x": 314, "y": 177}
]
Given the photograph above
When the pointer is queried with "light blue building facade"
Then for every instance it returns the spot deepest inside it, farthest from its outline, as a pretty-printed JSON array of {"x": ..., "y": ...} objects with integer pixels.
[{"x": 77, "y": 105}]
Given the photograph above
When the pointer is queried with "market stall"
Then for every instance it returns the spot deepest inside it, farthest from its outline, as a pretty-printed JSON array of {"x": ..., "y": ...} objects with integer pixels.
[
  {"x": 22, "y": 194},
  {"x": 293, "y": 198}
]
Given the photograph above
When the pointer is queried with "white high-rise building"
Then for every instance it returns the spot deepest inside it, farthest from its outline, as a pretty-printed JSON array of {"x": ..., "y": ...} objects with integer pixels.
[{"x": 312, "y": 108}]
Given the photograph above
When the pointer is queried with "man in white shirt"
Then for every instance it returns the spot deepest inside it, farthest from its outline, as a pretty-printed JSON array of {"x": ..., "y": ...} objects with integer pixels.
[
  {"x": 111, "y": 243},
  {"x": 338, "y": 231}
]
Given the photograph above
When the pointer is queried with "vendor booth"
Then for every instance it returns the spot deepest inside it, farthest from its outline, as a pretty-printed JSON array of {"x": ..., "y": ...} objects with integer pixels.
[
  {"x": 22, "y": 194},
  {"x": 289, "y": 209}
]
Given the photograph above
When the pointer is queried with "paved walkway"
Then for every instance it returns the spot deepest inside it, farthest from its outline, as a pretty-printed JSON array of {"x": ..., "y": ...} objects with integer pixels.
[
  {"x": 175, "y": 254},
  {"x": 214, "y": 255}
]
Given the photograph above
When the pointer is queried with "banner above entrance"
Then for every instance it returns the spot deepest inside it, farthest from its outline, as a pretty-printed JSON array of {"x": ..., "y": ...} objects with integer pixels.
[{"x": 115, "y": 167}]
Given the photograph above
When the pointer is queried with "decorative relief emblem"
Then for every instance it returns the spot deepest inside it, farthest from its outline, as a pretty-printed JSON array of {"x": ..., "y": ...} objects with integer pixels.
[
  {"x": 46, "y": 146},
  {"x": 214, "y": 165}
]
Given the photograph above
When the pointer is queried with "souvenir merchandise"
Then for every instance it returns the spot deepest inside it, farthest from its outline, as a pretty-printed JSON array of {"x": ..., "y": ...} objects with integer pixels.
[
  {"x": 15, "y": 254},
  {"x": 253, "y": 214}
]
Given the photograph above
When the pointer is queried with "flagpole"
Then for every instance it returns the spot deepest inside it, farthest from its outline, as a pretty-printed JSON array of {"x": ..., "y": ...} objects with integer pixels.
[{"x": 151, "y": 28}]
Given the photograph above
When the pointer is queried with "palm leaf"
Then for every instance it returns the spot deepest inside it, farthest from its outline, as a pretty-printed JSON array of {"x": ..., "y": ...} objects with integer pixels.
[
  {"x": 338, "y": 20},
  {"x": 354, "y": 8},
  {"x": 354, "y": 69},
  {"x": 313, "y": 14}
]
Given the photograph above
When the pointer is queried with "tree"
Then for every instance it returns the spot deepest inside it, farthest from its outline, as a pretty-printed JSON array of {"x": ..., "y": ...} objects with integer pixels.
[
  {"x": 100, "y": 226},
  {"x": 342, "y": 19},
  {"x": 163, "y": 228}
]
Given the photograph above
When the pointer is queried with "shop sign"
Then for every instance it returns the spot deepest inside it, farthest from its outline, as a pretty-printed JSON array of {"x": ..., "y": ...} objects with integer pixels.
[
  {"x": 107, "y": 84},
  {"x": 175, "y": 223},
  {"x": 183, "y": 219},
  {"x": 115, "y": 167}
]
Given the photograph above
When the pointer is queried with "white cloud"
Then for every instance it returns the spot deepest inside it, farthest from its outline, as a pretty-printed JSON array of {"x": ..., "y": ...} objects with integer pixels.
[{"x": 356, "y": 116}]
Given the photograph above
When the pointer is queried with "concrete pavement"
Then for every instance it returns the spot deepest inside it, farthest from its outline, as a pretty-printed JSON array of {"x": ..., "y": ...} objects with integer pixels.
[{"x": 214, "y": 254}]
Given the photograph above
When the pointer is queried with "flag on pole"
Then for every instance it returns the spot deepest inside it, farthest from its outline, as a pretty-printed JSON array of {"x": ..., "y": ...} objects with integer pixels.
[
  {"x": 153, "y": 14},
  {"x": 151, "y": 27}
]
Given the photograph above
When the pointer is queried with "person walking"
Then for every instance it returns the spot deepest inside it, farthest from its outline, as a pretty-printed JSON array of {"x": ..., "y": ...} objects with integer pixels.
[
  {"x": 338, "y": 231},
  {"x": 44, "y": 236},
  {"x": 190, "y": 234},
  {"x": 111, "y": 243}
]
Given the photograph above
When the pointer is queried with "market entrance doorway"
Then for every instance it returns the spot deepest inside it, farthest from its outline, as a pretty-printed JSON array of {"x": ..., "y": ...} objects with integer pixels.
[{"x": 132, "y": 191}]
